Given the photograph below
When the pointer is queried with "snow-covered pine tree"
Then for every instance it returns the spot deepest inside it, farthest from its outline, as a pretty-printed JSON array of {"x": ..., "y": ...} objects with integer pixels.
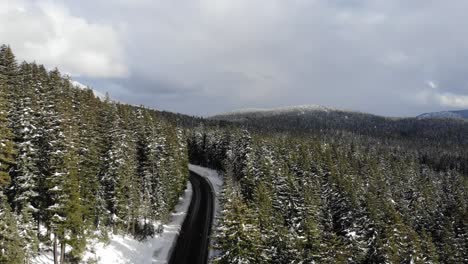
[
  {"x": 238, "y": 235},
  {"x": 89, "y": 151},
  {"x": 289, "y": 203},
  {"x": 27, "y": 231},
  {"x": 281, "y": 197},
  {"x": 54, "y": 150},
  {"x": 7, "y": 151},
  {"x": 11, "y": 246},
  {"x": 241, "y": 150},
  {"x": 158, "y": 171},
  {"x": 109, "y": 174},
  {"x": 26, "y": 171},
  {"x": 250, "y": 174},
  {"x": 10, "y": 78},
  {"x": 127, "y": 186},
  {"x": 105, "y": 181},
  {"x": 74, "y": 230},
  {"x": 146, "y": 167},
  {"x": 24, "y": 189},
  {"x": 7, "y": 147},
  {"x": 181, "y": 159},
  {"x": 268, "y": 221}
]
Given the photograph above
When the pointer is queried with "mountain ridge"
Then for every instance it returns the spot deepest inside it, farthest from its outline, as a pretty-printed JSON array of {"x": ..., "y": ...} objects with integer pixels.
[
  {"x": 457, "y": 114},
  {"x": 291, "y": 111}
]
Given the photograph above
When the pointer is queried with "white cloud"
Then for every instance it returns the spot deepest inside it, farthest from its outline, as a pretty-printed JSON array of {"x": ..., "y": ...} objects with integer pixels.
[
  {"x": 47, "y": 32},
  {"x": 452, "y": 100},
  {"x": 432, "y": 84},
  {"x": 439, "y": 98}
]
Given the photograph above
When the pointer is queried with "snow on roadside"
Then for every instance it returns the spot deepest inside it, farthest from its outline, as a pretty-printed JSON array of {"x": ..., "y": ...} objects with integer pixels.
[
  {"x": 217, "y": 183},
  {"x": 125, "y": 250}
]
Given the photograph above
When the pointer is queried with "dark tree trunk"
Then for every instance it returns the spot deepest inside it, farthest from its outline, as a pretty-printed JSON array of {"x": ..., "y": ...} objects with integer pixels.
[
  {"x": 38, "y": 230},
  {"x": 62, "y": 252},
  {"x": 55, "y": 249}
]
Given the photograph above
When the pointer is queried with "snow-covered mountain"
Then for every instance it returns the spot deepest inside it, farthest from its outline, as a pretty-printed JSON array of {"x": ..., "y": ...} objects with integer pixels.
[
  {"x": 299, "y": 110},
  {"x": 460, "y": 114},
  {"x": 82, "y": 86},
  {"x": 281, "y": 110}
]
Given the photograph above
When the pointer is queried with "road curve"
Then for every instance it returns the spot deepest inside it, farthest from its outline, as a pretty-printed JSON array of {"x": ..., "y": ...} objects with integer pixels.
[{"x": 192, "y": 243}]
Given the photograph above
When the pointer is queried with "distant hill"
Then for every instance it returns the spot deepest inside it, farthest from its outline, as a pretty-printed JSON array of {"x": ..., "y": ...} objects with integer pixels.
[
  {"x": 319, "y": 120},
  {"x": 445, "y": 114},
  {"x": 289, "y": 111},
  {"x": 297, "y": 114}
]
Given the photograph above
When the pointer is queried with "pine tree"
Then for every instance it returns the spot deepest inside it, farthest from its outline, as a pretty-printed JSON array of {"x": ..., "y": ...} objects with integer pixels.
[
  {"x": 89, "y": 151},
  {"x": 157, "y": 173},
  {"x": 249, "y": 174},
  {"x": 109, "y": 174},
  {"x": 146, "y": 168},
  {"x": 73, "y": 227},
  {"x": 238, "y": 234},
  {"x": 7, "y": 150},
  {"x": 126, "y": 191},
  {"x": 429, "y": 250},
  {"x": 26, "y": 171},
  {"x": 313, "y": 229},
  {"x": 268, "y": 221},
  {"x": 27, "y": 231},
  {"x": 241, "y": 150},
  {"x": 53, "y": 162},
  {"x": 11, "y": 250}
]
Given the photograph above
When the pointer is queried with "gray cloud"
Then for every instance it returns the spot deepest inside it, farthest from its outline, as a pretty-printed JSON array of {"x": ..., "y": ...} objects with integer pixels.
[{"x": 209, "y": 56}]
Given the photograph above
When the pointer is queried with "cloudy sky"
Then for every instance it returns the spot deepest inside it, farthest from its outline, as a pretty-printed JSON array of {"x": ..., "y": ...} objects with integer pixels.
[{"x": 388, "y": 57}]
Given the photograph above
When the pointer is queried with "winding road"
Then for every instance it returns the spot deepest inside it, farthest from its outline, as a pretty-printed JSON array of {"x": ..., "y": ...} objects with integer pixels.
[{"x": 192, "y": 243}]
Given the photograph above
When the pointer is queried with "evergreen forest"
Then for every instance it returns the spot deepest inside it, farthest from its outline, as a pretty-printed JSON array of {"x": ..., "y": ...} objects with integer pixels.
[
  {"x": 75, "y": 167},
  {"x": 316, "y": 187}
]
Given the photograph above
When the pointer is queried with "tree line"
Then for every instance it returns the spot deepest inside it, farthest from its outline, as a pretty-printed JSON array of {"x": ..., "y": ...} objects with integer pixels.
[
  {"x": 75, "y": 167},
  {"x": 341, "y": 198}
]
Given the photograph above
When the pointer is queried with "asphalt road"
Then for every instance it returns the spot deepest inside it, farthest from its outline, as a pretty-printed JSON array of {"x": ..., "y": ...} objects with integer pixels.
[{"x": 193, "y": 241}]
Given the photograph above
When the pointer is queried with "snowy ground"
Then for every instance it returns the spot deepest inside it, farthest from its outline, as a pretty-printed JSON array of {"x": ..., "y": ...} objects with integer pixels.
[
  {"x": 217, "y": 183},
  {"x": 125, "y": 249}
]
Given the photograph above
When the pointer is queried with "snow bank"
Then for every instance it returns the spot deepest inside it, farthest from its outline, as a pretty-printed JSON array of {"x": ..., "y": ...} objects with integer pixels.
[
  {"x": 125, "y": 250},
  {"x": 217, "y": 183}
]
